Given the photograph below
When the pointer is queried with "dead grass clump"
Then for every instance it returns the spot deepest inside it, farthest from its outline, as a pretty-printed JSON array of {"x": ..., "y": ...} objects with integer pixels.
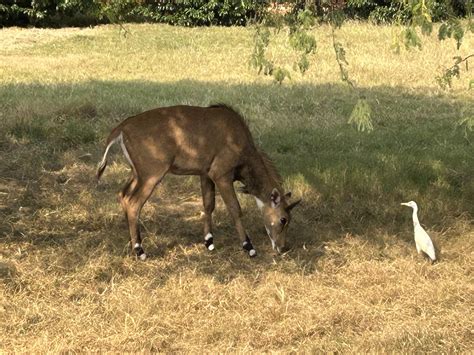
[{"x": 7, "y": 270}]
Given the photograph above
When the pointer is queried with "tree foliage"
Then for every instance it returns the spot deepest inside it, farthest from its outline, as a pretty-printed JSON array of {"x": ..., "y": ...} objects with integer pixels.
[
  {"x": 414, "y": 17},
  {"x": 58, "y": 13}
]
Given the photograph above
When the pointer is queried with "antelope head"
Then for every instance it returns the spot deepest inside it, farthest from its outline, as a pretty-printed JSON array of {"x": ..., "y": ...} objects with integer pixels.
[{"x": 277, "y": 217}]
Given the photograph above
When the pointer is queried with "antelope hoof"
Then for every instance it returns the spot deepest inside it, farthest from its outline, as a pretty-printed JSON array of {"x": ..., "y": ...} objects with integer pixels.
[
  {"x": 247, "y": 245},
  {"x": 139, "y": 252},
  {"x": 209, "y": 241}
]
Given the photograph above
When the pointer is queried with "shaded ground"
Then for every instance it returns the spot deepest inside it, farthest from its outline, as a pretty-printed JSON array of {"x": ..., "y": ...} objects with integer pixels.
[{"x": 352, "y": 282}]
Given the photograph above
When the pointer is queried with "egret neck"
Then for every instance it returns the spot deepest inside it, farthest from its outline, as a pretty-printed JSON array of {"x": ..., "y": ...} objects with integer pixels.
[{"x": 416, "y": 222}]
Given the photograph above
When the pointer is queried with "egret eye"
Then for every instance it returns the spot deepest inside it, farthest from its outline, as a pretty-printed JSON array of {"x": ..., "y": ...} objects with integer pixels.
[{"x": 283, "y": 220}]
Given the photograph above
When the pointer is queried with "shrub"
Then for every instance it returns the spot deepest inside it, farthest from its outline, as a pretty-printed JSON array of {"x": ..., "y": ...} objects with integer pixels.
[
  {"x": 57, "y": 13},
  {"x": 86, "y": 12}
]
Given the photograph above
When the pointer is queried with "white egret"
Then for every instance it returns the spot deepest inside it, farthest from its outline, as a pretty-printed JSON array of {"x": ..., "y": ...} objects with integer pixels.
[{"x": 422, "y": 239}]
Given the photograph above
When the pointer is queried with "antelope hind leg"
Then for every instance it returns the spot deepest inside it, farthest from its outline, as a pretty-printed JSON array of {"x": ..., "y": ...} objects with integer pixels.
[{"x": 132, "y": 203}]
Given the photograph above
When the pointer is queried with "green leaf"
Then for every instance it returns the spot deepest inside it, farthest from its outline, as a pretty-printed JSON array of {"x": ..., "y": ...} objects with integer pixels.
[
  {"x": 426, "y": 28},
  {"x": 303, "y": 64},
  {"x": 443, "y": 32},
  {"x": 411, "y": 38},
  {"x": 267, "y": 68},
  {"x": 301, "y": 41},
  {"x": 458, "y": 34},
  {"x": 279, "y": 74},
  {"x": 416, "y": 7},
  {"x": 257, "y": 58},
  {"x": 337, "y": 18},
  {"x": 361, "y": 116},
  {"x": 306, "y": 18},
  {"x": 452, "y": 28},
  {"x": 340, "y": 53}
]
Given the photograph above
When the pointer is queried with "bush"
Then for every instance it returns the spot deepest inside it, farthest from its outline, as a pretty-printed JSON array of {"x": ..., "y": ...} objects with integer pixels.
[
  {"x": 387, "y": 11},
  {"x": 51, "y": 13},
  {"x": 89, "y": 12},
  {"x": 14, "y": 13},
  {"x": 55, "y": 13},
  {"x": 214, "y": 12}
]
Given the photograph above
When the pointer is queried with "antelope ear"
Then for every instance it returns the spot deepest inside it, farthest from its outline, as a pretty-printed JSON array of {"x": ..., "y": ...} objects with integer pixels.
[
  {"x": 288, "y": 195},
  {"x": 293, "y": 205},
  {"x": 275, "y": 198}
]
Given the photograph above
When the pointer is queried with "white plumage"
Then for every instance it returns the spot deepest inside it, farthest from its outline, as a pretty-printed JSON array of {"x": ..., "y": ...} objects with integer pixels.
[{"x": 422, "y": 239}]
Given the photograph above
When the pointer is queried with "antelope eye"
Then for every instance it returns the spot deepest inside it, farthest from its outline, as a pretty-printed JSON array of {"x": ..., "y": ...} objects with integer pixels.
[{"x": 283, "y": 220}]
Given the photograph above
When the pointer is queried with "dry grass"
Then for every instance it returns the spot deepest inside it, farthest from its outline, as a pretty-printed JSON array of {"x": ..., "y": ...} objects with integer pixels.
[{"x": 352, "y": 282}]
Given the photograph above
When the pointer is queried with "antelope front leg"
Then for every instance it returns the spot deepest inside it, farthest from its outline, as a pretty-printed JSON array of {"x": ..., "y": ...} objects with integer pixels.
[
  {"x": 227, "y": 191},
  {"x": 208, "y": 189}
]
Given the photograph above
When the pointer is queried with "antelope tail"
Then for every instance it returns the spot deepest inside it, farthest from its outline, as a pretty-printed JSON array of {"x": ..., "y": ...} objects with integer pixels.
[{"x": 114, "y": 137}]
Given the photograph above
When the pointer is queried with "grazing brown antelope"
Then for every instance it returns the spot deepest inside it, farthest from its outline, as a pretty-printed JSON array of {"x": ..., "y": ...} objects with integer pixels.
[{"x": 212, "y": 142}]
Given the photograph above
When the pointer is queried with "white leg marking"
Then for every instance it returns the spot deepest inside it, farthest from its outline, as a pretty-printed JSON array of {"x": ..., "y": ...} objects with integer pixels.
[
  {"x": 143, "y": 256},
  {"x": 209, "y": 237},
  {"x": 259, "y": 203},
  {"x": 252, "y": 252}
]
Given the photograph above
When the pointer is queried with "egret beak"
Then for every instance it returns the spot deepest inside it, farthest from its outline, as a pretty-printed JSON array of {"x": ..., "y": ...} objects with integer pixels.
[{"x": 405, "y": 204}]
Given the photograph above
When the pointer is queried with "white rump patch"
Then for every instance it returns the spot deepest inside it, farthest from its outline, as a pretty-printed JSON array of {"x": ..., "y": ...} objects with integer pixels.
[
  {"x": 104, "y": 158},
  {"x": 259, "y": 203},
  {"x": 208, "y": 236},
  {"x": 137, "y": 245},
  {"x": 125, "y": 151}
]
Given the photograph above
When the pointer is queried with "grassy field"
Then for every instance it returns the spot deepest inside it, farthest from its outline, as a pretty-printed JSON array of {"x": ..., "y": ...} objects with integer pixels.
[{"x": 352, "y": 282}]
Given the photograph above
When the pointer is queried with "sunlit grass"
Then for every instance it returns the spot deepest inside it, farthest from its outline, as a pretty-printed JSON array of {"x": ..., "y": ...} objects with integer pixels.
[{"x": 352, "y": 282}]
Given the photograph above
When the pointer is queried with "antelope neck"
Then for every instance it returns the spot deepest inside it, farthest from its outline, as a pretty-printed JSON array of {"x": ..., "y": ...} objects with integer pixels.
[{"x": 260, "y": 179}]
